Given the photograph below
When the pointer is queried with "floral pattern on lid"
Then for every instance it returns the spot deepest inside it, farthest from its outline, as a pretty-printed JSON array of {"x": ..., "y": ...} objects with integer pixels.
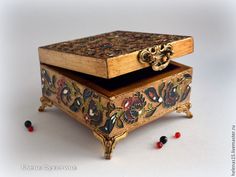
[{"x": 113, "y": 44}]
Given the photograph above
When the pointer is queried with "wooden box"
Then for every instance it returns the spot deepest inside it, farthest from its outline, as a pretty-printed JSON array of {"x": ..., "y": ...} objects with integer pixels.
[{"x": 116, "y": 82}]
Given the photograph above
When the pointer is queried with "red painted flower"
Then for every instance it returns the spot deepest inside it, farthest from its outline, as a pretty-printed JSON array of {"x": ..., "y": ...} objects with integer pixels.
[
  {"x": 61, "y": 82},
  {"x": 127, "y": 103},
  {"x": 63, "y": 92},
  {"x": 133, "y": 107},
  {"x": 171, "y": 96}
]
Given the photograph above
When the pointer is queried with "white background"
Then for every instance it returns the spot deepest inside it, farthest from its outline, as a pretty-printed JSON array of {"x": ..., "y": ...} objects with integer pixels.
[{"x": 203, "y": 150}]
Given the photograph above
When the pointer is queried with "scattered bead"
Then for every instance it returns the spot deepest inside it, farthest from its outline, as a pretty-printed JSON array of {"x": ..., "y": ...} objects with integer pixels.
[
  {"x": 28, "y": 124},
  {"x": 30, "y": 129},
  {"x": 159, "y": 145},
  {"x": 177, "y": 135},
  {"x": 163, "y": 139}
]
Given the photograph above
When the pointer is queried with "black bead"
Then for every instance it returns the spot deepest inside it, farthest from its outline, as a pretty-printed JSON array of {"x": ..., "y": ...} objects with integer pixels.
[
  {"x": 28, "y": 124},
  {"x": 163, "y": 139}
]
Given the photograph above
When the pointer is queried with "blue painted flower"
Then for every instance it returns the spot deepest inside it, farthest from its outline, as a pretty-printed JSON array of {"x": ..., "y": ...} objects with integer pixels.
[
  {"x": 76, "y": 105},
  {"x": 63, "y": 92},
  {"x": 109, "y": 124},
  {"x": 170, "y": 96},
  {"x": 87, "y": 93},
  {"x": 152, "y": 95},
  {"x": 93, "y": 115}
]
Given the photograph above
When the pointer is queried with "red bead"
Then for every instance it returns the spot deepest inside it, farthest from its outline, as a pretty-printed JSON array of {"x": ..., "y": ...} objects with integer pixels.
[
  {"x": 159, "y": 145},
  {"x": 31, "y": 128},
  {"x": 177, "y": 135}
]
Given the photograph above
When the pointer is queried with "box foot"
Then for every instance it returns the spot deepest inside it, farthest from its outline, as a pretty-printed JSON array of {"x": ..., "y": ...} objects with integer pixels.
[
  {"x": 45, "y": 102},
  {"x": 108, "y": 142},
  {"x": 185, "y": 108}
]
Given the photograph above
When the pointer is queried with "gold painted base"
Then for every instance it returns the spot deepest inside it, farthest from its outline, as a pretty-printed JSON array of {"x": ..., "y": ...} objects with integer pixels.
[
  {"x": 185, "y": 108},
  {"x": 108, "y": 142},
  {"x": 45, "y": 103}
]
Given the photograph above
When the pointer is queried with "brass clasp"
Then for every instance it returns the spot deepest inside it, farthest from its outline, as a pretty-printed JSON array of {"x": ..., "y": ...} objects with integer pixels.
[{"x": 158, "y": 56}]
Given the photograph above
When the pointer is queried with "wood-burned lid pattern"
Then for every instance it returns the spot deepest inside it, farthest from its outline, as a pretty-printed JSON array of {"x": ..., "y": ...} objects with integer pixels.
[{"x": 110, "y": 54}]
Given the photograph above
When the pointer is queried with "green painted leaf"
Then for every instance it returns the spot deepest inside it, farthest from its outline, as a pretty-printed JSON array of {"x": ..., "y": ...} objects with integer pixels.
[
  {"x": 119, "y": 123},
  {"x": 119, "y": 114},
  {"x": 160, "y": 88},
  {"x": 185, "y": 93},
  {"x": 150, "y": 106},
  {"x": 99, "y": 105},
  {"x": 144, "y": 103},
  {"x": 76, "y": 88},
  {"x": 53, "y": 80},
  {"x": 150, "y": 112},
  {"x": 179, "y": 91}
]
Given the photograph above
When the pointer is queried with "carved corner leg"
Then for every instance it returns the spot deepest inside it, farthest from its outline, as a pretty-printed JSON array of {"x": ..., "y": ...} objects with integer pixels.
[
  {"x": 44, "y": 103},
  {"x": 108, "y": 142},
  {"x": 185, "y": 108}
]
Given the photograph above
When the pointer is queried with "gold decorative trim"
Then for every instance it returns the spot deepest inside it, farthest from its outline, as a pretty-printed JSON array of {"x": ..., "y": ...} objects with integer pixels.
[
  {"x": 108, "y": 142},
  {"x": 45, "y": 102},
  {"x": 185, "y": 108},
  {"x": 158, "y": 56}
]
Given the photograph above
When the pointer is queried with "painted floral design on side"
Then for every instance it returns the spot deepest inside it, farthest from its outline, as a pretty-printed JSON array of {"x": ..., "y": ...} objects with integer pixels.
[
  {"x": 176, "y": 90},
  {"x": 133, "y": 107},
  {"x": 93, "y": 113},
  {"x": 185, "y": 93},
  {"x": 153, "y": 97},
  {"x": 171, "y": 95},
  {"x": 112, "y": 119},
  {"x": 141, "y": 104},
  {"x": 48, "y": 83},
  {"x": 89, "y": 103},
  {"x": 109, "y": 124},
  {"x": 187, "y": 89},
  {"x": 75, "y": 107},
  {"x": 63, "y": 92},
  {"x": 68, "y": 93}
]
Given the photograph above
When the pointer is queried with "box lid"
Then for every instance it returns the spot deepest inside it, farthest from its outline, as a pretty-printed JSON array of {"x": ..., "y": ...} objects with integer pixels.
[{"x": 116, "y": 53}]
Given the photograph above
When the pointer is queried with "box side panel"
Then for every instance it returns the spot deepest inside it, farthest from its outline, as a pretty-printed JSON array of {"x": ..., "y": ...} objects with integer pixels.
[{"x": 80, "y": 102}]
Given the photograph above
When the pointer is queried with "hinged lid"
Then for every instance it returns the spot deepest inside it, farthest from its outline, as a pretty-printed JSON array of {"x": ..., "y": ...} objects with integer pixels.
[{"x": 116, "y": 53}]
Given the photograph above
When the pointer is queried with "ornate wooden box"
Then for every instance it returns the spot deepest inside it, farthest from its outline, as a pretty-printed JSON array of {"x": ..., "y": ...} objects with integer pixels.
[{"x": 116, "y": 82}]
